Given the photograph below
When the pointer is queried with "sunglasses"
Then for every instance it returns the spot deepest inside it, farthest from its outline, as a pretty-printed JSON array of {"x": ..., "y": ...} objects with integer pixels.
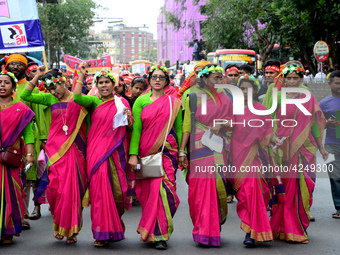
[{"x": 155, "y": 77}]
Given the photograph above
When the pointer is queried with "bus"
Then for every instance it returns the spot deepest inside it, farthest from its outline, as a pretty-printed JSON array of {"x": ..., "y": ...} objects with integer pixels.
[
  {"x": 140, "y": 66},
  {"x": 210, "y": 57},
  {"x": 238, "y": 57}
]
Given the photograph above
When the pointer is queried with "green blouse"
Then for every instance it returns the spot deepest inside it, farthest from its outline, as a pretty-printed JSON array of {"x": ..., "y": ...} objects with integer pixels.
[
  {"x": 137, "y": 109},
  {"x": 47, "y": 99}
]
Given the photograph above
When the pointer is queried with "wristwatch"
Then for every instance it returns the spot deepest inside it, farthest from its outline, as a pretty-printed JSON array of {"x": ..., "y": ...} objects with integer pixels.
[{"x": 29, "y": 154}]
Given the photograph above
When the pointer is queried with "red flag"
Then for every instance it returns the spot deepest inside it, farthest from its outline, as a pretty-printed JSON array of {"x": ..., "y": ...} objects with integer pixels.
[{"x": 75, "y": 78}]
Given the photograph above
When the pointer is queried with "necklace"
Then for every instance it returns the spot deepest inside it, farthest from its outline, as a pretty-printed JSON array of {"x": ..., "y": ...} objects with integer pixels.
[{"x": 65, "y": 127}]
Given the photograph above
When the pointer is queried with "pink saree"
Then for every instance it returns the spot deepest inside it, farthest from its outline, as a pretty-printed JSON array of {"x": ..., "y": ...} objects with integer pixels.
[
  {"x": 109, "y": 188},
  {"x": 66, "y": 167},
  {"x": 252, "y": 188},
  {"x": 158, "y": 195},
  {"x": 207, "y": 192},
  {"x": 291, "y": 219},
  {"x": 13, "y": 121}
]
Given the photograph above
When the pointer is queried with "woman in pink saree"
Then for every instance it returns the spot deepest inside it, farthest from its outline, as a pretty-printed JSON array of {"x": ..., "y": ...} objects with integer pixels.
[
  {"x": 249, "y": 157},
  {"x": 65, "y": 153},
  {"x": 109, "y": 182},
  {"x": 207, "y": 190},
  {"x": 291, "y": 219},
  {"x": 15, "y": 118},
  {"x": 157, "y": 196}
]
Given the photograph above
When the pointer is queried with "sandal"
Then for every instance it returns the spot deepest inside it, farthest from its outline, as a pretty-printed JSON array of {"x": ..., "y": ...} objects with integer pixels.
[
  {"x": 72, "y": 239},
  {"x": 230, "y": 198},
  {"x": 26, "y": 224},
  {"x": 100, "y": 243},
  {"x": 35, "y": 214},
  {"x": 311, "y": 218},
  {"x": 336, "y": 215},
  {"x": 7, "y": 239},
  {"x": 57, "y": 236}
]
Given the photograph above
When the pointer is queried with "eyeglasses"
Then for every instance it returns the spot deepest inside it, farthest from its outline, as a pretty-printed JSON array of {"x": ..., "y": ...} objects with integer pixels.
[
  {"x": 18, "y": 64},
  {"x": 155, "y": 77},
  {"x": 292, "y": 78}
]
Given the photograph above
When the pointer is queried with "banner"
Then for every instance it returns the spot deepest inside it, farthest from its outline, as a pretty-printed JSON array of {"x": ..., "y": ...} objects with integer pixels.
[
  {"x": 20, "y": 29},
  {"x": 93, "y": 65}
]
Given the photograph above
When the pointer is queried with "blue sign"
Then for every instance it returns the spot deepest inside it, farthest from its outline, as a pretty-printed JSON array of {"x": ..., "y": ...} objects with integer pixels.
[{"x": 20, "y": 29}]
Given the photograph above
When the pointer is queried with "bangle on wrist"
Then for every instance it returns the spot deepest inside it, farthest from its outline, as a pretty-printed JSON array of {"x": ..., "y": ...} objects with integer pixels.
[
  {"x": 29, "y": 154},
  {"x": 78, "y": 81},
  {"x": 182, "y": 154},
  {"x": 31, "y": 84}
]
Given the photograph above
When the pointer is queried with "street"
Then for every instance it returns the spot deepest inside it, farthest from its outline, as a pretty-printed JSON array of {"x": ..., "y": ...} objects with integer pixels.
[{"x": 323, "y": 233}]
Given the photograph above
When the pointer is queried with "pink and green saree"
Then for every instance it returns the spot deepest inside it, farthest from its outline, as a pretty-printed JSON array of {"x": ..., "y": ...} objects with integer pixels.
[
  {"x": 253, "y": 194},
  {"x": 110, "y": 190},
  {"x": 13, "y": 121},
  {"x": 158, "y": 195},
  {"x": 291, "y": 219},
  {"x": 65, "y": 156},
  {"x": 207, "y": 191}
]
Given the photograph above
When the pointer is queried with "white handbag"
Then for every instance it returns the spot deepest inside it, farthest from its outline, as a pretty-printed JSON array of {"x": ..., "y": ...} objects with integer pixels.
[{"x": 152, "y": 166}]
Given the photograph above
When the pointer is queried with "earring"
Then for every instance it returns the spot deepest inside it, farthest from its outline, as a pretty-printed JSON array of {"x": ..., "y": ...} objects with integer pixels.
[{"x": 64, "y": 87}]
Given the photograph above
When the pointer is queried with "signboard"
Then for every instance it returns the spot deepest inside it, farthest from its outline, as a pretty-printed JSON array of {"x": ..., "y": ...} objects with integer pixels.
[
  {"x": 236, "y": 58},
  {"x": 20, "y": 29},
  {"x": 93, "y": 65},
  {"x": 138, "y": 68},
  {"x": 321, "y": 51}
]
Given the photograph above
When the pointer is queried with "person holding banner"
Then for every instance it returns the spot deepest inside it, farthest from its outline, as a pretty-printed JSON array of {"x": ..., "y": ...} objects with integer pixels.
[
  {"x": 15, "y": 122},
  {"x": 65, "y": 151},
  {"x": 110, "y": 184}
]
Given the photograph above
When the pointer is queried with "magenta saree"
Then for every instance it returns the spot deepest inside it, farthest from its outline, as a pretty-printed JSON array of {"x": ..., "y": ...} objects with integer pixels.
[
  {"x": 207, "y": 191},
  {"x": 66, "y": 167},
  {"x": 291, "y": 219},
  {"x": 13, "y": 121},
  {"x": 109, "y": 188},
  {"x": 250, "y": 181},
  {"x": 158, "y": 195}
]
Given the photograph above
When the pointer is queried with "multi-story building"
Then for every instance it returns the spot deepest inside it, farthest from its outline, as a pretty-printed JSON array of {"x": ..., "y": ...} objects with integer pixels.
[
  {"x": 127, "y": 43},
  {"x": 174, "y": 45}
]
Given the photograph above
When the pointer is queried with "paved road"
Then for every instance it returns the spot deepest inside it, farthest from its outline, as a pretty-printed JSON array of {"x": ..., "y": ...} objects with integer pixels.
[{"x": 323, "y": 234}]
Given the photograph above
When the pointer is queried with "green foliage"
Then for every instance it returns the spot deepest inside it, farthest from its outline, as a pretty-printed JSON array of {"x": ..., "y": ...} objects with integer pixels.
[
  {"x": 150, "y": 55},
  {"x": 238, "y": 24},
  {"x": 65, "y": 26}
]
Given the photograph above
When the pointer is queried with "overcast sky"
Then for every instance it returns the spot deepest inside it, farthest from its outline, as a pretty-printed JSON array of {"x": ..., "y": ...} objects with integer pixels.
[{"x": 133, "y": 12}]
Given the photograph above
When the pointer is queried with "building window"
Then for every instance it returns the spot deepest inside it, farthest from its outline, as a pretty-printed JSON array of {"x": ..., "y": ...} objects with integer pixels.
[{"x": 133, "y": 58}]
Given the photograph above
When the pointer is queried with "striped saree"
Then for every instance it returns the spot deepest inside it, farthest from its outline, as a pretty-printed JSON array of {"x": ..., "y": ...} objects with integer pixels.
[
  {"x": 66, "y": 167},
  {"x": 110, "y": 191},
  {"x": 290, "y": 220},
  {"x": 13, "y": 121},
  {"x": 158, "y": 195}
]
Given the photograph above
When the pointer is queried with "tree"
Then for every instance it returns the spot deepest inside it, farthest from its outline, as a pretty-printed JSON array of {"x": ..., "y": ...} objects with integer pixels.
[
  {"x": 150, "y": 55},
  {"x": 65, "y": 26},
  {"x": 259, "y": 24},
  {"x": 233, "y": 24}
]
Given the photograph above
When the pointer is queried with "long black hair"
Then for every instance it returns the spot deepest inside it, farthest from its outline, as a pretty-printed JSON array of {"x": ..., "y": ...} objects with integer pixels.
[{"x": 123, "y": 92}]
